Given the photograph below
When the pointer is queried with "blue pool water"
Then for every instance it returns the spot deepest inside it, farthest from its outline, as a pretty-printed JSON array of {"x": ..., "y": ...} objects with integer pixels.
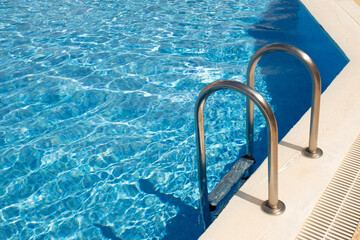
[{"x": 97, "y": 100}]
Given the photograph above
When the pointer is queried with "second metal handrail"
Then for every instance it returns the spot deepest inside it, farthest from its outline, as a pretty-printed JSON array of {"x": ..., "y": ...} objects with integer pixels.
[
  {"x": 312, "y": 151},
  {"x": 273, "y": 205}
]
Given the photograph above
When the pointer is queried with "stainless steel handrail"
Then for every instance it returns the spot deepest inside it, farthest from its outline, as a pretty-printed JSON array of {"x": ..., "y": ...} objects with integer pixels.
[
  {"x": 273, "y": 205},
  {"x": 312, "y": 151}
]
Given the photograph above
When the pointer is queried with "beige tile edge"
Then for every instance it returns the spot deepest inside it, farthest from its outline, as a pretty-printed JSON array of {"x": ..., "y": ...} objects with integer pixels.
[
  {"x": 356, "y": 235},
  {"x": 351, "y": 8},
  {"x": 302, "y": 180}
]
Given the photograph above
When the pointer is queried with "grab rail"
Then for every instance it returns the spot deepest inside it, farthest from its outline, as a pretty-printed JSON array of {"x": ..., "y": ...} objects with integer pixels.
[
  {"x": 312, "y": 151},
  {"x": 273, "y": 205}
]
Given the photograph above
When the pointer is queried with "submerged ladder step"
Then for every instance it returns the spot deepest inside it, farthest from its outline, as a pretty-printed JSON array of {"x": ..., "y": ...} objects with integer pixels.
[{"x": 222, "y": 189}]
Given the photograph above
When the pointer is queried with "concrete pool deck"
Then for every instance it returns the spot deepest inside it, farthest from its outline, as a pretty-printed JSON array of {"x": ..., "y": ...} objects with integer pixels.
[{"x": 302, "y": 180}]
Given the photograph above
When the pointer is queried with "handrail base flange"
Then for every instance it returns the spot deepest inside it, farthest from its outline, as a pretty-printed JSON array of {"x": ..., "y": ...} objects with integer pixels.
[
  {"x": 306, "y": 152},
  {"x": 273, "y": 211}
]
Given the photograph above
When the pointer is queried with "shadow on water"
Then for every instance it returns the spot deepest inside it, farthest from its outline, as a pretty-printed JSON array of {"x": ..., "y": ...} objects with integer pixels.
[
  {"x": 186, "y": 221},
  {"x": 107, "y": 232}
]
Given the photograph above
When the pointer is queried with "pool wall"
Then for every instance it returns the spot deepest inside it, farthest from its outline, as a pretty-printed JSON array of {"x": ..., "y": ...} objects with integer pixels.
[{"x": 302, "y": 180}]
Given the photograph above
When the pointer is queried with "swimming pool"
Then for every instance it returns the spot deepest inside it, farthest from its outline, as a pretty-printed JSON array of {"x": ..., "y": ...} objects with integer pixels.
[{"x": 96, "y": 105}]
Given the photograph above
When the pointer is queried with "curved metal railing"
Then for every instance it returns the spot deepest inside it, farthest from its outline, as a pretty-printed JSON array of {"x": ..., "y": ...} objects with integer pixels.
[
  {"x": 273, "y": 205},
  {"x": 312, "y": 151}
]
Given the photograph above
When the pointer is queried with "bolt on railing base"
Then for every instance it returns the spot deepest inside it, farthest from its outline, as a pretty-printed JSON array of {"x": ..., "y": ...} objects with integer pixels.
[
  {"x": 273, "y": 211},
  {"x": 318, "y": 153}
]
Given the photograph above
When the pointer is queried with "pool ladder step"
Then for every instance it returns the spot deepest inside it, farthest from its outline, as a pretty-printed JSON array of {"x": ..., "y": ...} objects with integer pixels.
[{"x": 227, "y": 183}]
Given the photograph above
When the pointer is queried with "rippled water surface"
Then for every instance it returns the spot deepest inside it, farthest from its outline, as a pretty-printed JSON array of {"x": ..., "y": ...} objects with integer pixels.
[{"x": 96, "y": 113}]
